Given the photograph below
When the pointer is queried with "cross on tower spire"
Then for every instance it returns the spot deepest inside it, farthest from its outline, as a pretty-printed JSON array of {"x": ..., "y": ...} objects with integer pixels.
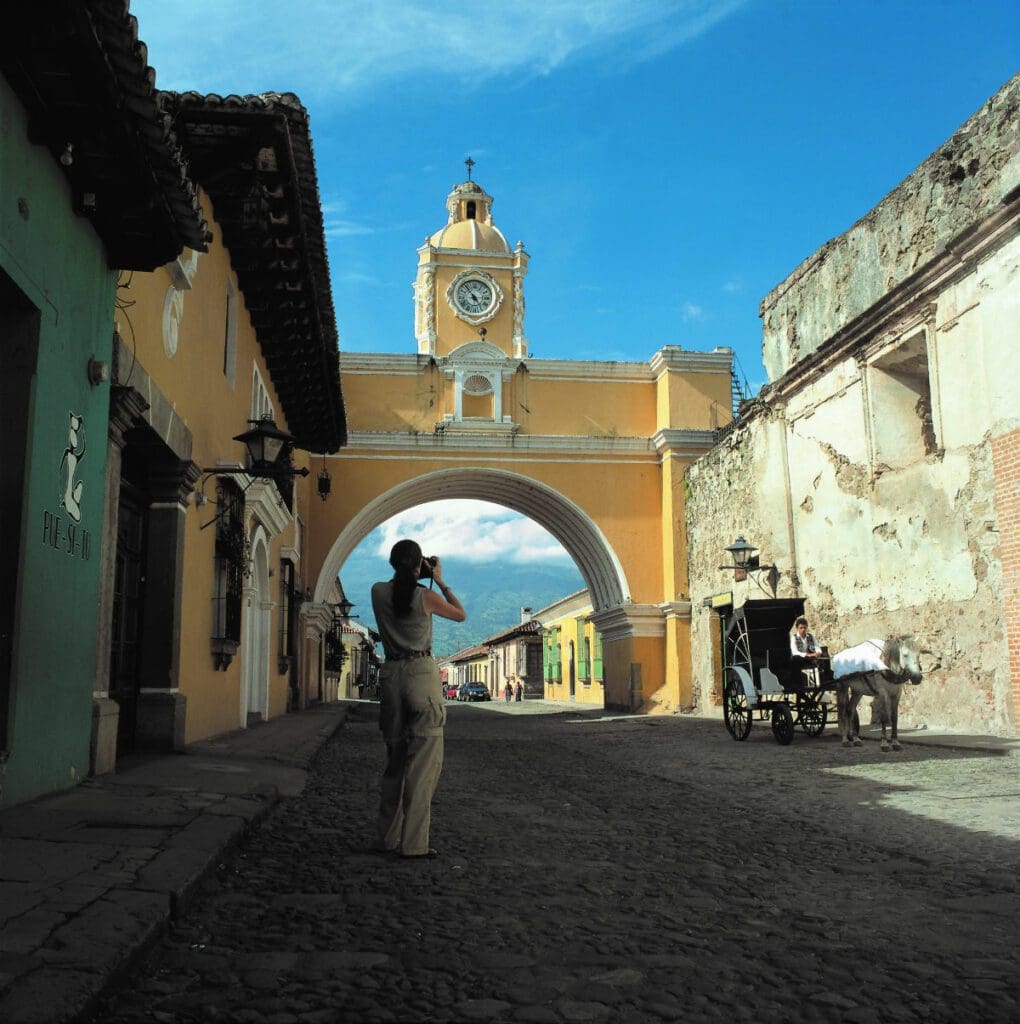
[{"x": 470, "y": 163}]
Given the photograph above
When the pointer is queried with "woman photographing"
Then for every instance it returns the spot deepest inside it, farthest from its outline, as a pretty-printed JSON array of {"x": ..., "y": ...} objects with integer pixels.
[{"x": 412, "y": 712}]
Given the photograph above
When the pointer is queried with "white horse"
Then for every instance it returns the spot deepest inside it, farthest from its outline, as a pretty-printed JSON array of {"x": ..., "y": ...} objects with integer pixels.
[{"x": 879, "y": 670}]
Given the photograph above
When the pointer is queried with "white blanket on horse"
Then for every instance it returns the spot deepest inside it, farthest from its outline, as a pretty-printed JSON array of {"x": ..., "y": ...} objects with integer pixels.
[{"x": 866, "y": 657}]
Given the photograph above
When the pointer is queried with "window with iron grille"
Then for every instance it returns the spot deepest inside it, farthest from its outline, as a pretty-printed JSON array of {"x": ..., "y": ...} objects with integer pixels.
[
  {"x": 335, "y": 648},
  {"x": 231, "y": 561},
  {"x": 597, "y": 670}
]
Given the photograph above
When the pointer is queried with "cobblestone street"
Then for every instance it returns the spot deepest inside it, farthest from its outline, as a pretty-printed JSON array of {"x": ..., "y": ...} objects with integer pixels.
[{"x": 596, "y": 868}]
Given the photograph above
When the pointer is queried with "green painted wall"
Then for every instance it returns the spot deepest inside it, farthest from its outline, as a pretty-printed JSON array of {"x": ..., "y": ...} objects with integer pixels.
[{"x": 56, "y": 259}]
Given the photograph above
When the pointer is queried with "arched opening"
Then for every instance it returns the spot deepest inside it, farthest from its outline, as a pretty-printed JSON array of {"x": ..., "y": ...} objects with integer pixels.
[
  {"x": 470, "y": 212},
  {"x": 580, "y": 536}
]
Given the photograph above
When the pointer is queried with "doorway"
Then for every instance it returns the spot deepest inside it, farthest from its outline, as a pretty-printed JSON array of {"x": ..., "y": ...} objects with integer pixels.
[{"x": 128, "y": 609}]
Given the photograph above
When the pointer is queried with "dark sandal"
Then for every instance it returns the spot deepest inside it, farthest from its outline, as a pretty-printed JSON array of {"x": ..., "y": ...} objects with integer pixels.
[{"x": 429, "y": 854}]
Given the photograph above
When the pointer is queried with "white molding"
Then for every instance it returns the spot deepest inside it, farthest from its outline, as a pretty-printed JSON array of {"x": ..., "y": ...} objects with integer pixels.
[
  {"x": 289, "y": 554},
  {"x": 570, "y": 606},
  {"x": 317, "y": 619},
  {"x": 262, "y": 501},
  {"x": 395, "y": 441},
  {"x": 500, "y": 254},
  {"x": 630, "y": 620},
  {"x": 673, "y": 359},
  {"x": 591, "y": 371},
  {"x": 674, "y": 441},
  {"x": 676, "y": 609},
  {"x": 405, "y": 364},
  {"x": 472, "y": 351}
]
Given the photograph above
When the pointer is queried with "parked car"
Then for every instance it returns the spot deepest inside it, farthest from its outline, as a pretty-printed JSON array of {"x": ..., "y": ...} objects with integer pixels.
[
  {"x": 450, "y": 691},
  {"x": 473, "y": 691}
]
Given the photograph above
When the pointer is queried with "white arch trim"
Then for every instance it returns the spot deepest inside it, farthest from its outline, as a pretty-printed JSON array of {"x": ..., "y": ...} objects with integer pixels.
[{"x": 567, "y": 522}]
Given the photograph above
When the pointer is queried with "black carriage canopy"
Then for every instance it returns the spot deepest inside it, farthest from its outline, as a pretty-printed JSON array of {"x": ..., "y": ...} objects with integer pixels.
[{"x": 758, "y": 633}]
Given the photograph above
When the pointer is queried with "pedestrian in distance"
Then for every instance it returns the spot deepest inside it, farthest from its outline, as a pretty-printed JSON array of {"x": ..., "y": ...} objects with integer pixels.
[
  {"x": 519, "y": 691},
  {"x": 508, "y": 692},
  {"x": 412, "y": 712}
]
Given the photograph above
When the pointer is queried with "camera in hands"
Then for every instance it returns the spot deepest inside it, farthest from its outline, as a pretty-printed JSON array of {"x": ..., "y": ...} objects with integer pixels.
[{"x": 428, "y": 563}]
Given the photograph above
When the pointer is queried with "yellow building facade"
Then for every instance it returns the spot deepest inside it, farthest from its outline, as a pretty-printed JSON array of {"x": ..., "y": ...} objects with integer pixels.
[
  {"x": 593, "y": 451},
  {"x": 572, "y": 660},
  {"x": 207, "y": 627}
]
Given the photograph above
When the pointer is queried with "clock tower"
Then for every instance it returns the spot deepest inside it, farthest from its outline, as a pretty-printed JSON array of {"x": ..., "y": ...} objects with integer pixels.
[{"x": 470, "y": 284}]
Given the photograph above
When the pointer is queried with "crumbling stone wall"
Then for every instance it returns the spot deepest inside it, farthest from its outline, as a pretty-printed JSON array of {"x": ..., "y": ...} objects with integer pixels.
[
  {"x": 879, "y": 475},
  {"x": 909, "y": 552},
  {"x": 962, "y": 182}
]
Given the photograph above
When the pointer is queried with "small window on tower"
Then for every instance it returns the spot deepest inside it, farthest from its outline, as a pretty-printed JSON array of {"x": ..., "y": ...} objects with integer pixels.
[{"x": 471, "y": 209}]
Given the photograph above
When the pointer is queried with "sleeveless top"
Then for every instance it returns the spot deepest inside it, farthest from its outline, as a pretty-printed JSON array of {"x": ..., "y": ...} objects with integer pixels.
[{"x": 413, "y": 632}]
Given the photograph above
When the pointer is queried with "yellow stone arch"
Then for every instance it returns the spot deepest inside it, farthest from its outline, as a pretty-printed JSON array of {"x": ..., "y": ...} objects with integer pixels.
[
  {"x": 594, "y": 451},
  {"x": 567, "y": 522}
]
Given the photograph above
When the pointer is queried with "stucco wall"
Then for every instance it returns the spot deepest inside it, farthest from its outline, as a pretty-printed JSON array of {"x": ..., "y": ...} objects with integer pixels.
[
  {"x": 960, "y": 183},
  {"x": 56, "y": 262}
]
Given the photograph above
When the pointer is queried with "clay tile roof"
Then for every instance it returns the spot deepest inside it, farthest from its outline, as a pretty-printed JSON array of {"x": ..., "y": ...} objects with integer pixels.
[
  {"x": 529, "y": 628},
  {"x": 82, "y": 74},
  {"x": 253, "y": 155},
  {"x": 469, "y": 653}
]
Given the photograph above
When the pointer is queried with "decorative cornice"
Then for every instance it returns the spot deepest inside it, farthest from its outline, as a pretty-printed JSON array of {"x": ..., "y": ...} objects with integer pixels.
[
  {"x": 262, "y": 501},
  {"x": 590, "y": 370},
  {"x": 672, "y": 358},
  {"x": 571, "y": 605},
  {"x": 352, "y": 363},
  {"x": 317, "y": 619},
  {"x": 676, "y": 609},
  {"x": 484, "y": 436},
  {"x": 694, "y": 443},
  {"x": 630, "y": 620}
]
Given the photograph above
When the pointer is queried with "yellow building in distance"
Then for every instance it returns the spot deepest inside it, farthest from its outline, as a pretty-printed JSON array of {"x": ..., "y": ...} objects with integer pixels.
[
  {"x": 593, "y": 451},
  {"x": 572, "y": 663}
]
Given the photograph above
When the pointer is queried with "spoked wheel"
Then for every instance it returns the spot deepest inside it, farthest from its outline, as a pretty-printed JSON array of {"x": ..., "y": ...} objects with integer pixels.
[
  {"x": 736, "y": 712},
  {"x": 812, "y": 715},
  {"x": 782, "y": 724}
]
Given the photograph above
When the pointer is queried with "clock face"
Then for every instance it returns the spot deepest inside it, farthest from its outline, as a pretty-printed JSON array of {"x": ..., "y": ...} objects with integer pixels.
[{"x": 473, "y": 296}]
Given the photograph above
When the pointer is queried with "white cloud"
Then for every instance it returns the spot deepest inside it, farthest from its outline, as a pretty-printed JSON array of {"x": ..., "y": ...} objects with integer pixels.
[
  {"x": 733, "y": 286},
  {"x": 477, "y": 531},
  {"x": 690, "y": 311},
  {"x": 353, "y": 277},
  {"x": 334, "y": 48}
]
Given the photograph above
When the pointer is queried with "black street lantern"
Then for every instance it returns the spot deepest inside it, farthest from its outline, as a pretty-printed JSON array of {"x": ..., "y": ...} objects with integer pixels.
[
  {"x": 742, "y": 554},
  {"x": 344, "y": 609},
  {"x": 269, "y": 448}
]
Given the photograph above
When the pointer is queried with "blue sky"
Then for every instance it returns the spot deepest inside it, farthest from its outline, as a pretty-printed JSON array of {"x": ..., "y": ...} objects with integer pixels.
[{"x": 664, "y": 163}]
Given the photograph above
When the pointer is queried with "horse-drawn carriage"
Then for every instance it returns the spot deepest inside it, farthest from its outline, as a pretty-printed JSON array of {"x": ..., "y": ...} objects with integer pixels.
[{"x": 760, "y": 676}]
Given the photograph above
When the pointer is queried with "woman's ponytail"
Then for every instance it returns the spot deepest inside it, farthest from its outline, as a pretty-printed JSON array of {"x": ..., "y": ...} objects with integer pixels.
[{"x": 405, "y": 559}]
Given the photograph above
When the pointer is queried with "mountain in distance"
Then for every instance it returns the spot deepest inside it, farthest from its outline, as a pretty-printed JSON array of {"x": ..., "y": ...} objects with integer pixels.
[{"x": 492, "y": 594}]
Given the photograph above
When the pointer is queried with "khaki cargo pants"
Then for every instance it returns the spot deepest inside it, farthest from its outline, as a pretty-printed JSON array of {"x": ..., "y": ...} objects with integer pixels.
[{"x": 411, "y": 716}]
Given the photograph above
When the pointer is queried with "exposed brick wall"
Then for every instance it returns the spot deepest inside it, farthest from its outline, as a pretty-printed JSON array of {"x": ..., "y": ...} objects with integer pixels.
[{"x": 1006, "y": 462}]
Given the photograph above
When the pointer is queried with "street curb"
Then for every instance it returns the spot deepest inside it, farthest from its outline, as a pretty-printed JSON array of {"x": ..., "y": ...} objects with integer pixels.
[{"x": 177, "y": 905}]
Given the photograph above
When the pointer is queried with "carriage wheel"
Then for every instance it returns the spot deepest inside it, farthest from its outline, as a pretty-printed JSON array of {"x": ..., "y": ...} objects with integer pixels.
[
  {"x": 782, "y": 724},
  {"x": 812, "y": 717},
  {"x": 736, "y": 712}
]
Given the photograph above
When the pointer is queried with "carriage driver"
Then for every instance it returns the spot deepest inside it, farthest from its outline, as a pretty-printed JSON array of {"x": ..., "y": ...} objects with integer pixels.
[
  {"x": 806, "y": 653},
  {"x": 803, "y": 644}
]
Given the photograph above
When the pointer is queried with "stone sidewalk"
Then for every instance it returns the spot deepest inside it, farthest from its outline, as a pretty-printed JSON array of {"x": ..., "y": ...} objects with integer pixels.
[{"x": 91, "y": 876}]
